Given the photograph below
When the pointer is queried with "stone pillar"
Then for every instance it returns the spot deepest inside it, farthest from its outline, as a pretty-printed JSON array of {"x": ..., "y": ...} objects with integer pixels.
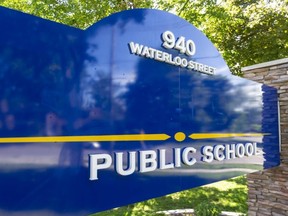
[{"x": 268, "y": 190}]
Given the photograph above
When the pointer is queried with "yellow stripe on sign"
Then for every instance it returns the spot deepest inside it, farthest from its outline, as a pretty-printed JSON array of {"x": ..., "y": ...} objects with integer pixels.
[
  {"x": 196, "y": 136},
  {"x": 100, "y": 138}
]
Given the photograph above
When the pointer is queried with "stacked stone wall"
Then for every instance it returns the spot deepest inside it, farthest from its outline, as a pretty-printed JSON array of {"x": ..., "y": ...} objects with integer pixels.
[{"x": 268, "y": 190}]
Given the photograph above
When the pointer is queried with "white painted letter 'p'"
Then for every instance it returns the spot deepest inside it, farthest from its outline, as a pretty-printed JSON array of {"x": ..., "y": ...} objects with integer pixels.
[{"x": 97, "y": 162}]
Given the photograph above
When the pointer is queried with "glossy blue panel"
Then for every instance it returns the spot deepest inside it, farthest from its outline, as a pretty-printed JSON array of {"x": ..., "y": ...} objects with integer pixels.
[{"x": 60, "y": 81}]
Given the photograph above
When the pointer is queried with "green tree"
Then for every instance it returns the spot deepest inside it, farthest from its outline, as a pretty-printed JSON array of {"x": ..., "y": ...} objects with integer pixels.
[
  {"x": 245, "y": 32},
  {"x": 77, "y": 13}
]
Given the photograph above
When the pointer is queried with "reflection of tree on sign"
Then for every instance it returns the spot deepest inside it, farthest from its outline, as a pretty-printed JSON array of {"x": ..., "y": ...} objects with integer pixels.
[
  {"x": 36, "y": 73},
  {"x": 165, "y": 98},
  {"x": 152, "y": 101}
]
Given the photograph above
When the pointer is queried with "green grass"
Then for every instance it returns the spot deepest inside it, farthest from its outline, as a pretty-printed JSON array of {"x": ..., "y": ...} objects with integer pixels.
[{"x": 228, "y": 195}]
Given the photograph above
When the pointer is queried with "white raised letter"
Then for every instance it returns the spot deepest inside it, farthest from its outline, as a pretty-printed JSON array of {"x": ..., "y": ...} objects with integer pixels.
[
  {"x": 131, "y": 163},
  {"x": 186, "y": 160},
  {"x": 249, "y": 149},
  {"x": 95, "y": 165},
  {"x": 217, "y": 155},
  {"x": 147, "y": 161},
  {"x": 255, "y": 148},
  {"x": 229, "y": 151},
  {"x": 162, "y": 158},
  {"x": 135, "y": 48},
  {"x": 240, "y": 150},
  {"x": 177, "y": 157},
  {"x": 207, "y": 151}
]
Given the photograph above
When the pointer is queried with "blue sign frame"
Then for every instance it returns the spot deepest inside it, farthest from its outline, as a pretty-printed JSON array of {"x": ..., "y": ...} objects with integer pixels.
[{"x": 139, "y": 105}]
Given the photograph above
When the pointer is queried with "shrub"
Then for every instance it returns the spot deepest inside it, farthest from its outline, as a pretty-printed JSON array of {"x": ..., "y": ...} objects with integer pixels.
[{"x": 207, "y": 209}]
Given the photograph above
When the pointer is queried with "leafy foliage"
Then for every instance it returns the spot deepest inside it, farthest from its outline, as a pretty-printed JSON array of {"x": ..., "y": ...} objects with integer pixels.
[
  {"x": 77, "y": 13},
  {"x": 245, "y": 32},
  {"x": 207, "y": 209}
]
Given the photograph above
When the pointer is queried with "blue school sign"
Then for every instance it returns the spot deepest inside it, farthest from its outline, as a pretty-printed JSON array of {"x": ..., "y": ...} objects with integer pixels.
[{"x": 139, "y": 105}]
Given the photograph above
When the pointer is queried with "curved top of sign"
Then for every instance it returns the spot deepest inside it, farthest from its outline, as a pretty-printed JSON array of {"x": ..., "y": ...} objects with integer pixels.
[
  {"x": 147, "y": 27},
  {"x": 139, "y": 105}
]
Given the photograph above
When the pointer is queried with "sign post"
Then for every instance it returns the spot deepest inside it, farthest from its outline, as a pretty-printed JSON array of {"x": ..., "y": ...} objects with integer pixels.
[{"x": 139, "y": 105}]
